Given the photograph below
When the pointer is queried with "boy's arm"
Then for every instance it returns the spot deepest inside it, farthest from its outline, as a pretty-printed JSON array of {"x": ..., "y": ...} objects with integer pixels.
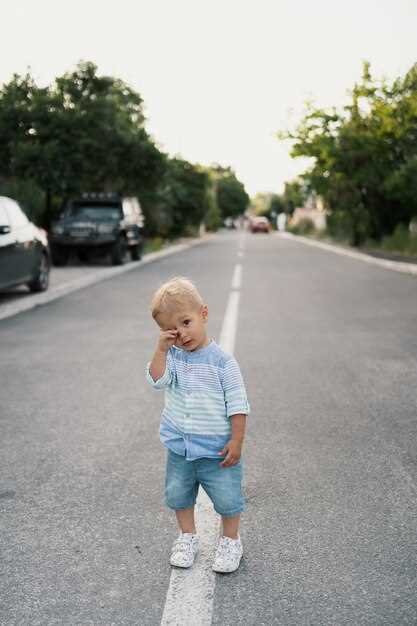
[
  {"x": 235, "y": 397},
  {"x": 238, "y": 427},
  {"x": 233, "y": 448},
  {"x": 158, "y": 371},
  {"x": 158, "y": 364},
  {"x": 237, "y": 408}
]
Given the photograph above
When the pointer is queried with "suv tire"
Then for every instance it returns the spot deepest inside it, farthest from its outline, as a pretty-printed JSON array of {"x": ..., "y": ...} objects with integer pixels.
[
  {"x": 136, "y": 252},
  {"x": 83, "y": 256},
  {"x": 118, "y": 251}
]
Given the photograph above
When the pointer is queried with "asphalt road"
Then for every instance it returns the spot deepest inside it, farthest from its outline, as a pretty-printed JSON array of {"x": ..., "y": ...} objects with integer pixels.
[{"x": 328, "y": 349}]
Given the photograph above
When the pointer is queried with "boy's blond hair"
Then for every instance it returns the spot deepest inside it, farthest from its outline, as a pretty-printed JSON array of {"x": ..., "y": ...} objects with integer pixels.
[{"x": 174, "y": 294}]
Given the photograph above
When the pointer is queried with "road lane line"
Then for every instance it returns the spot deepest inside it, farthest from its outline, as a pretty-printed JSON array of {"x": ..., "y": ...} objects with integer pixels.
[
  {"x": 237, "y": 277},
  {"x": 228, "y": 334},
  {"x": 189, "y": 600},
  {"x": 190, "y": 595}
]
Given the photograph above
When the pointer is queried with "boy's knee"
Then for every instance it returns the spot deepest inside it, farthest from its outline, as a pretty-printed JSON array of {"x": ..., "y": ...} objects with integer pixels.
[
  {"x": 228, "y": 507},
  {"x": 227, "y": 502},
  {"x": 180, "y": 496},
  {"x": 176, "y": 501}
]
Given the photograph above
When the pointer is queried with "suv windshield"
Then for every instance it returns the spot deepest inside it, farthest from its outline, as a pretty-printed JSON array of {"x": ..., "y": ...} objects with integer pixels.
[{"x": 96, "y": 212}]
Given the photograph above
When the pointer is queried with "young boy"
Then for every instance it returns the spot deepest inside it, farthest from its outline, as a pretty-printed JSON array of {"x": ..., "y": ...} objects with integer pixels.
[{"x": 203, "y": 421}]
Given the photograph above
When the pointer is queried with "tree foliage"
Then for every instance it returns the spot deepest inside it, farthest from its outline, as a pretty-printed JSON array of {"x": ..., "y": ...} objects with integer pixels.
[
  {"x": 364, "y": 156},
  {"x": 86, "y": 132},
  {"x": 183, "y": 196},
  {"x": 232, "y": 198}
]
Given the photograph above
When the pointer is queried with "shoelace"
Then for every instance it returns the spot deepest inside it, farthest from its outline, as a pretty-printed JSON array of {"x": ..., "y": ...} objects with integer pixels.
[
  {"x": 182, "y": 545},
  {"x": 227, "y": 548}
]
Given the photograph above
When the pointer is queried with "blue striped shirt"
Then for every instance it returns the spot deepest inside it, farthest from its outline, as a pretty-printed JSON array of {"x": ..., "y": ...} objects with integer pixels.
[{"x": 203, "y": 388}]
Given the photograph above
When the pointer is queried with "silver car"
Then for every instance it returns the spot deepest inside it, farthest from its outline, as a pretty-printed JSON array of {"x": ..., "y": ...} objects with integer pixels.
[{"x": 24, "y": 250}]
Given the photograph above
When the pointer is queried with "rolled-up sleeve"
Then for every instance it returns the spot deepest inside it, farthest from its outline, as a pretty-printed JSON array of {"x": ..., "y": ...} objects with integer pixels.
[
  {"x": 234, "y": 389},
  {"x": 166, "y": 378}
]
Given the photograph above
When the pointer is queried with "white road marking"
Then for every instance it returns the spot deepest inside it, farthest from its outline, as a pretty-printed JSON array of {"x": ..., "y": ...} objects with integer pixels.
[
  {"x": 229, "y": 328},
  {"x": 190, "y": 595},
  {"x": 240, "y": 254},
  {"x": 237, "y": 277},
  {"x": 397, "y": 266},
  {"x": 189, "y": 600}
]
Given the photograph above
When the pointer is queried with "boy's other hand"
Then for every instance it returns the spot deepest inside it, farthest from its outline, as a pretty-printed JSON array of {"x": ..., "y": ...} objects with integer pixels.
[
  {"x": 233, "y": 451},
  {"x": 167, "y": 338}
]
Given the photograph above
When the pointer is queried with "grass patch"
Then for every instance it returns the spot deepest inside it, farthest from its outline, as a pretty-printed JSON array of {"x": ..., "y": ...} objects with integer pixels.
[
  {"x": 402, "y": 241},
  {"x": 154, "y": 244}
]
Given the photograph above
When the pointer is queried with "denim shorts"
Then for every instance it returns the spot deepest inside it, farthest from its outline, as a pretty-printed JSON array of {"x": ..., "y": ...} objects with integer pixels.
[{"x": 223, "y": 485}]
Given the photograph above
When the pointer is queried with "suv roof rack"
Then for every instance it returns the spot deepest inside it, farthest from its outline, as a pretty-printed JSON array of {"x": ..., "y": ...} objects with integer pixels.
[{"x": 100, "y": 195}]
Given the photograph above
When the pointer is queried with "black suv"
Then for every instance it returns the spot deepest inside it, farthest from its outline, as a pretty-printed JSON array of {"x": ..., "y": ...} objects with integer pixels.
[{"x": 98, "y": 224}]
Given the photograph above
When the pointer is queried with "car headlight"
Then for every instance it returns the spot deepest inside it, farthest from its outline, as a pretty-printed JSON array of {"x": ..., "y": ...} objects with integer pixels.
[
  {"x": 57, "y": 229},
  {"x": 105, "y": 229}
]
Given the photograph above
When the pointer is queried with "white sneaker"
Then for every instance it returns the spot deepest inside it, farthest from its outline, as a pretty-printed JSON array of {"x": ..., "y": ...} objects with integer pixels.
[
  {"x": 184, "y": 550},
  {"x": 228, "y": 555}
]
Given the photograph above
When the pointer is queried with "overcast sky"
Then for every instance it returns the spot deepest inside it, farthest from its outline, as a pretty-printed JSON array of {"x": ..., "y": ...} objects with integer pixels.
[{"x": 219, "y": 77}]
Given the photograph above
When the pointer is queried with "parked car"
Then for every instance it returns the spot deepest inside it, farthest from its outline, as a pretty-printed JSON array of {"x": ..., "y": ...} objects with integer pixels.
[
  {"x": 260, "y": 225},
  {"x": 24, "y": 250},
  {"x": 229, "y": 223},
  {"x": 98, "y": 224}
]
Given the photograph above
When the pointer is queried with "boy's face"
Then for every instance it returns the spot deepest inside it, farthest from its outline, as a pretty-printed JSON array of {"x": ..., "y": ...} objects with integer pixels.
[{"x": 190, "y": 324}]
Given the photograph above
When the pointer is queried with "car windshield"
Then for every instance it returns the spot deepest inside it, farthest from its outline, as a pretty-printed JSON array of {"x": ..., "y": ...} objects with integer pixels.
[{"x": 96, "y": 212}]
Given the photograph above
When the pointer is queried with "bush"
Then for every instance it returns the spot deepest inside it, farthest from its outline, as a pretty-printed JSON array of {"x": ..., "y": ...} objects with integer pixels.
[
  {"x": 339, "y": 226},
  {"x": 402, "y": 240},
  {"x": 304, "y": 227},
  {"x": 153, "y": 244}
]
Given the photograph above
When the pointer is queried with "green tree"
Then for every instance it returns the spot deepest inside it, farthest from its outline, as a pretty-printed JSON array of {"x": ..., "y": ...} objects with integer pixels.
[
  {"x": 231, "y": 194},
  {"x": 213, "y": 218},
  {"x": 183, "y": 196},
  {"x": 85, "y": 132},
  {"x": 277, "y": 204},
  {"x": 294, "y": 196},
  {"x": 364, "y": 156}
]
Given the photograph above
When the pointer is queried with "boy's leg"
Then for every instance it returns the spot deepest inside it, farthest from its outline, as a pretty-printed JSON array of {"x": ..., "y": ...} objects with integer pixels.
[
  {"x": 231, "y": 526},
  {"x": 185, "y": 519},
  {"x": 181, "y": 488},
  {"x": 224, "y": 488}
]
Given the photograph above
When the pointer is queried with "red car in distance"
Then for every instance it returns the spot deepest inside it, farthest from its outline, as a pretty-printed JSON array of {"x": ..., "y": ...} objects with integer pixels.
[{"x": 260, "y": 225}]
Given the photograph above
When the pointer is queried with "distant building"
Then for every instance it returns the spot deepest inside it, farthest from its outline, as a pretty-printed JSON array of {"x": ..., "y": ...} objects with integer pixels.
[{"x": 313, "y": 210}]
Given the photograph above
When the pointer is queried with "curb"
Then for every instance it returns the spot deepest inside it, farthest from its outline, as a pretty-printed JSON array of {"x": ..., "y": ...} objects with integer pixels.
[
  {"x": 14, "y": 308},
  {"x": 396, "y": 266}
]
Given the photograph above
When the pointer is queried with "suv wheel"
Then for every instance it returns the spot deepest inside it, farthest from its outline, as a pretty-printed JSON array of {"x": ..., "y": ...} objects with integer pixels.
[
  {"x": 83, "y": 256},
  {"x": 136, "y": 252},
  {"x": 41, "y": 282},
  {"x": 60, "y": 255},
  {"x": 118, "y": 252}
]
